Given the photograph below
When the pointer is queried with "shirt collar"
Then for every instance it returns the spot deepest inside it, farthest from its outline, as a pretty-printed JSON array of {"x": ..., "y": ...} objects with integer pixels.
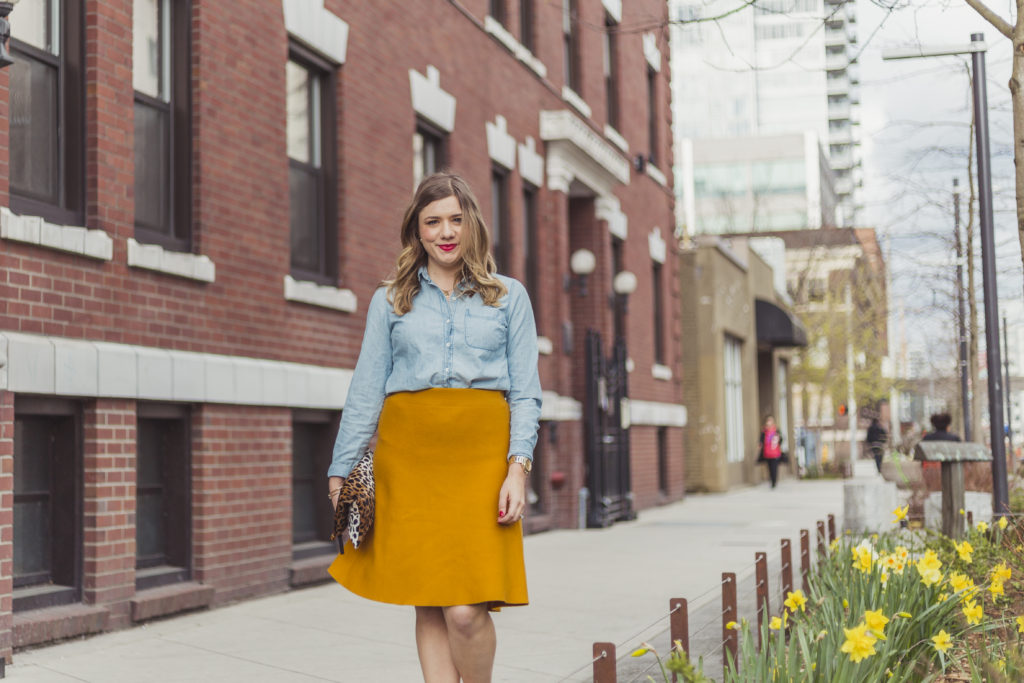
[{"x": 425, "y": 277}]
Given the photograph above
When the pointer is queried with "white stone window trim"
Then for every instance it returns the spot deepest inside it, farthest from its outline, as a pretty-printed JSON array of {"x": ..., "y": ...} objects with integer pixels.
[
  {"x": 609, "y": 209},
  {"x": 56, "y": 366},
  {"x": 521, "y": 52},
  {"x": 662, "y": 372},
  {"x": 656, "y": 245},
  {"x": 94, "y": 244},
  {"x": 315, "y": 294},
  {"x": 180, "y": 264},
  {"x": 500, "y": 145},
  {"x": 431, "y": 101},
  {"x": 575, "y": 150},
  {"x": 560, "y": 408},
  {"x": 615, "y": 137},
  {"x": 576, "y": 101},
  {"x": 544, "y": 346},
  {"x": 531, "y": 164},
  {"x": 651, "y": 52},
  {"x": 655, "y": 173},
  {"x": 312, "y": 24},
  {"x": 614, "y": 9},
  {"x": 657, "y": 414}
]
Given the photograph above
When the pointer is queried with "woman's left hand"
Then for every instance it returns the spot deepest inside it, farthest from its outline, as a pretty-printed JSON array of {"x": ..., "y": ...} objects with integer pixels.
[{"x": 512, "y": 498}]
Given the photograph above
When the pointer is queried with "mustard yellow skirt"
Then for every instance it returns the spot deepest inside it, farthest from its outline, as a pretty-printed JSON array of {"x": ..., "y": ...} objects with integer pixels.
[{"x": 438, "y": 468}]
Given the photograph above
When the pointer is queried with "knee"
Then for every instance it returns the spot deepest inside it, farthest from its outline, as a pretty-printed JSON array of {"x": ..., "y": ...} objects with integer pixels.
[
  {"x": 429, "y": 615},
  {"x": 465, "y": 620}
]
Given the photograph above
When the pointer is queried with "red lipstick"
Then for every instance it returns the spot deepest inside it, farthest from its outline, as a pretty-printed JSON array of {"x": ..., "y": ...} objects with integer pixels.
[{"x": 446, "y": 247}]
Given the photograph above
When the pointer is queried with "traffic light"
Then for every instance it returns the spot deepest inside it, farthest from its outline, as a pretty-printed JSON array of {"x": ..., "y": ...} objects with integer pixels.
[{"x": 842, "y": 409}]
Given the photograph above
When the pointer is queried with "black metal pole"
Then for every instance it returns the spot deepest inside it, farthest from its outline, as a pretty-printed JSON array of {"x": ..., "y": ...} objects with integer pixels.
[
  {"x": 965, "y": 397},
  {"x": 1000, "y": 489},
  {"x": 1006, "y": 386}
]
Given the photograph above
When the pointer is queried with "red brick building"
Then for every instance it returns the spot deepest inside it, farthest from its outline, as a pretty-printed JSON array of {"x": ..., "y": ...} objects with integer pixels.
[{"x": 198, "y": 199}]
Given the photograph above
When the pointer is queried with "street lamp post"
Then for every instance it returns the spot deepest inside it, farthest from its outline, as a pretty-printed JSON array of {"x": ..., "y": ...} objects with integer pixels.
[
  {"x": 976, "y": 48},
  {"x": 965, "y": 399}
]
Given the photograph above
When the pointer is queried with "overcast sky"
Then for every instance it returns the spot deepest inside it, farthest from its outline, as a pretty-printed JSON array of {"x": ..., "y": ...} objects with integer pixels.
[{"x": 915, "y": 130}]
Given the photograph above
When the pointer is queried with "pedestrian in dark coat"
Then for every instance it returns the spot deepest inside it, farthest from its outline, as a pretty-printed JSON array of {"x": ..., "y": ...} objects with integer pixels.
[{"x": 877, "y": 437}]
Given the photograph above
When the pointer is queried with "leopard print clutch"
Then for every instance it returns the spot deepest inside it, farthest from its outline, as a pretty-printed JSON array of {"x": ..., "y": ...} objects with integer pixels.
[{"x": 354, "y": 513}]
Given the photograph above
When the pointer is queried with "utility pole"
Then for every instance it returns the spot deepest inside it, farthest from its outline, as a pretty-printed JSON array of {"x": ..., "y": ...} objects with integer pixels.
[
  {"x": 976, "y": 48},
  {"x": 851, "y": 398},
  {"x": 965, "y": 397}
]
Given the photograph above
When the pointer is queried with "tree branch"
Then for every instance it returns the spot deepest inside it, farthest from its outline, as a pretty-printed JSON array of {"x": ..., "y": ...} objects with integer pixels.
[{"x": 991, "y": 17}]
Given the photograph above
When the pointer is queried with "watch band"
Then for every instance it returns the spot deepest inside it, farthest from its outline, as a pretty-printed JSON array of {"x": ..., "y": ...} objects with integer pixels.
[{"x": 526, "y": 463}]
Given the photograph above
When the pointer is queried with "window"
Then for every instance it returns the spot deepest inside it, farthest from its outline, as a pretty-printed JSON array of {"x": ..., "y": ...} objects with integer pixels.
[
  {"x": 311, "y": 167},
  {"x": 782, "y": 413},
  {"x": 611, "y": 70},
  {"x": 499, "y": 218},
  {"x": 162, "y": 496},
  {"x": 312, "y": 516},
  {"x": 652, "y": 115},
  {"x": 47, "y": 509},
  {"x": 570, "y": 45},
  {"x": 428, "y": 151},
  {"x": 531, "y": 247},
  {"x": 161, "y": 73},
  {"x": 733, "y": 375},
  {"x": 496, "y": 8},
  {"x": 658, "y": 310},
  {"x": 663, "y": 460},
  {"x": 619, "y": 306},
  {"x": 47, "y": 157},
  {"x": 526, "y": 15}
]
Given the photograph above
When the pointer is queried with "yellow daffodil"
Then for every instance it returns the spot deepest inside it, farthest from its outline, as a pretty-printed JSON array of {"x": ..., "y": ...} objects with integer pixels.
[
  {"x": 859, "y": 643},
  {"x": 962, "y": 583},
  {"x": 1003, "y": 523},
  {"x": 1020, "y": 624},
  {"x": 1001, "y": 572},
  {"x": 962, "y": 512},
  {"x": 942, "y": 597},
  {"x": 928, "y": 567},
  {"x": 1001, "y": 665},
  {"x": 964, "y": 550},
  {"x": 775, "y": 624},
  {"x": 982, "y": 526},
  {"x": 995, "y": 588},
  {"x": 900, "y": 514},
  {"x": 846, "y": 604},
  {"x": 942, "y": 641},
  {"x": 901, "y": 552},
  {"x": 973, "y": 612},
  {"x": 824, "y": 632},
  {"x": 876, "y": 622},
  {"x": 642, "y": 650},
  {"x": 731, "y": 626},
  {"x": 795, "y": 600},
  {"x": 863, "y": 557},
  {"x": 884, "y": 577},
  {"x": 833, "y": 545}
]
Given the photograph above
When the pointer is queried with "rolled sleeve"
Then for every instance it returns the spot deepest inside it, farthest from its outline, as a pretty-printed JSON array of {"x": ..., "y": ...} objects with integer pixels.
[
  {"x": 524, "y": 394},
  {"x": 366, "y": 392}
]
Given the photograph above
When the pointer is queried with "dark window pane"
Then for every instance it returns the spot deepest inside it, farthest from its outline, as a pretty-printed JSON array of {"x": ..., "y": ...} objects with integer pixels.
[
  {"x": 149, "y": 526},
  {"x": 303, "y": 512},
  {"x": 33, "y": 130},
  {"x": 303, "y": 187},
  {"x": 311, "y": 454},
  {"x": 152, "y": 164},
  {"x": 32, "y": 537},
  {"x": 526, "y": 24}
]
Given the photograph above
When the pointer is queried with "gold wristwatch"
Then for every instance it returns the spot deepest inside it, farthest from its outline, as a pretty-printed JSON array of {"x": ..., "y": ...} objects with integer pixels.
[{"x": 522, "y": 460}]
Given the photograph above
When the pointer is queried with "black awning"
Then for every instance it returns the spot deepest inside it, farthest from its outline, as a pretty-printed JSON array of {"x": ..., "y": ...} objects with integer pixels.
[{"x": 776, "y": 326}]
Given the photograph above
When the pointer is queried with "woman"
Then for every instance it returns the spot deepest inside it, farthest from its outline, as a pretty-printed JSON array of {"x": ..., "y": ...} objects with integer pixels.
[
  {"x": 447, "y": 376},
  {"x": 770, "y": 448}
]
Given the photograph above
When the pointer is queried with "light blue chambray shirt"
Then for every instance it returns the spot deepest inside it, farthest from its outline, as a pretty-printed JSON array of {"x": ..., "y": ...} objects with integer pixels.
[{"x": 443, "y": 343}]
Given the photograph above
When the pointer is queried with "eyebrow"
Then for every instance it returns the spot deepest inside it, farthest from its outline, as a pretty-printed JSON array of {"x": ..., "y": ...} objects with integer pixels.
[{"x": 451, "y": 215}]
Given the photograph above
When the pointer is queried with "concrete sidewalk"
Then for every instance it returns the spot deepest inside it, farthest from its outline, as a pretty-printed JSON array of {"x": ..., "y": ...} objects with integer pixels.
[{"x": 585, "y": 586}]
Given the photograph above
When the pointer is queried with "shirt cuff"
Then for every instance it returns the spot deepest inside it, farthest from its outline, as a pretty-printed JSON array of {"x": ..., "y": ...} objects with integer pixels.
[{"x": 520, "y": 448}]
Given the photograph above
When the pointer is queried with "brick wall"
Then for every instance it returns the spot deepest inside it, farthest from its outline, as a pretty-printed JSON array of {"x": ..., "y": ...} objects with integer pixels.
[
  {"x": 108, "y": 571},
  {"x": 241, "y": 499}
]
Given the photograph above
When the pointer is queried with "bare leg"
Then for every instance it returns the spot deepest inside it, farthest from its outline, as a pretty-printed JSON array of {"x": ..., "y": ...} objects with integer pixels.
[
  {"x": 472, "y": 639},
  {"x": 433, "y": 648}
]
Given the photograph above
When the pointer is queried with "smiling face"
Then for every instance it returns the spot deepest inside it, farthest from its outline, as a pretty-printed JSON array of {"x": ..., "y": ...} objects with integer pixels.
[{"x": 440, "y": 232}]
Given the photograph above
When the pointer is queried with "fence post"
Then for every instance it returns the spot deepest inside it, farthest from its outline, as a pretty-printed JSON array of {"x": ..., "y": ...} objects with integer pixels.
[
  {"x": 761, "y": 592},
  {"x": 821, "y": 538},
  {"x": 831, "y": 527},
  {"x": 604, "y": 663},
  {"x": 787, "y": 567},
  {"x": 679, "y": 626},
  {"x": 728, "y": 614},
  {"x": 805, "y": 558},
  {"x": 970, "y": 519}
]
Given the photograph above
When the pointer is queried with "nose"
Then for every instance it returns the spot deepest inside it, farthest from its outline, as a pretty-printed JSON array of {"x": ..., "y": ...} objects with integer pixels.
[{"x": 447, "y": 229}]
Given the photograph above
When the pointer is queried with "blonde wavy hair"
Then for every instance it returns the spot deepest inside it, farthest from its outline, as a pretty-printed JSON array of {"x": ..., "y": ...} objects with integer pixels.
[{"x": 478, "y": 265}]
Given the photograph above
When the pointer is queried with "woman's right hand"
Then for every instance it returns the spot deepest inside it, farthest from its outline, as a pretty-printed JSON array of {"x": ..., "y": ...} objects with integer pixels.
[{"x": 334, "y": 485}]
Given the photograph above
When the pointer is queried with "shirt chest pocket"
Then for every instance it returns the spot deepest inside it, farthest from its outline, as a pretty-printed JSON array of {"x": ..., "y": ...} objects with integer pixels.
[{"x": 485, "y": 328}]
